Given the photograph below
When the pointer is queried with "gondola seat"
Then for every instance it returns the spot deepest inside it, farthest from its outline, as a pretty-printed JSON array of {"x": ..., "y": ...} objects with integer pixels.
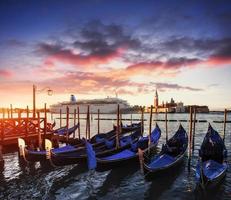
[{"x": 161, "y": 161}]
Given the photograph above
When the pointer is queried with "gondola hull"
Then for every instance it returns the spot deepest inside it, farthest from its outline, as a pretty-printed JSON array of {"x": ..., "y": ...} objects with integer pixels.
[
  {"x": 210, "y": 182},
  {"x": 152, "y": 173},
  {"x": 106, "y": 165},
  {"x": 212, "y": 165},
  {"x": 170, "y": 157},
  {"x": 128, "y": 156},
  {"x": 75, "y": 158}
]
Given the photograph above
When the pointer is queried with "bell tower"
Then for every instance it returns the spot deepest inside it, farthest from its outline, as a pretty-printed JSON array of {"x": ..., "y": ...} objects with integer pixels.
[{"x": 156, "y": 101}]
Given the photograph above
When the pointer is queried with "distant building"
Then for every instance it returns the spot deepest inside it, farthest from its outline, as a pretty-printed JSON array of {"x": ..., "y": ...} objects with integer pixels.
[
  {"x": 199, "y": 109},
  {"x": 171, "y": 106},
  {"x": 180, "y": 108},
  {"x": 174, "y": 107}
]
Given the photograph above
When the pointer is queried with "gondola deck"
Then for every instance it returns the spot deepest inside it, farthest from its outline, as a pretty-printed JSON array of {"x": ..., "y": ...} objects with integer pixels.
[{"x": 212, "y": 165}]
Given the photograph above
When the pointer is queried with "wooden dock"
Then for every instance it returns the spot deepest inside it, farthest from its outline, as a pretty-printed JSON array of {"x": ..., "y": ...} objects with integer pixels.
[{"x": 27, "y": 128}]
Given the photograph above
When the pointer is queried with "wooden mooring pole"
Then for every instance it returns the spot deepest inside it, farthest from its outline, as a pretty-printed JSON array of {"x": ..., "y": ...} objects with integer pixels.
[
  {"x": 11, "y": 111},
  {"x": 78, "y": 122},
  {"x": 166, "y": 125},
  {"x": 190, "y": 138},
  {"x": 39, "y": 132},
  {"x": 142, "y": 120},
  {"x": 150, "y": 126},
  {"x": 45, "y": 124},
  {"x": 67, "y": 117},
  {"x": 60, "y": 118},
  {"x": 98, "y": 121},
  {"x": 224, "y": 126},
  {"x": 3, "y": 113},
  {"x": 27, "y": 121},
  {"x": 74, "y": 120},
  {"x": 8, "y": 113},
  {"x": 118, "y": 127},
  {"x": 89, "y": 123},
  {"x": 67, "y": 121},
  {"x": 194, "y": 128}
]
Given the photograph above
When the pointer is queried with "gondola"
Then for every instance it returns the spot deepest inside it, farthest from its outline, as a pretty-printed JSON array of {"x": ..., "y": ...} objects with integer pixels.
[
  {"x": 97, "y": 141},
  {"x": 130, "y": 155},
  {"x": 212, "y": 165},
  {"x": 80, "y": 157},
  {"x": 68, "y": 150},
  {"x": 170, "y": 156},
  {"x": 64, "y": 131}
]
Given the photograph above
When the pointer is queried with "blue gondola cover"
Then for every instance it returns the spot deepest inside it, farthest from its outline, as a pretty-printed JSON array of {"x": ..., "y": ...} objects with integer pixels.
[{"x": 90, "y": 156}]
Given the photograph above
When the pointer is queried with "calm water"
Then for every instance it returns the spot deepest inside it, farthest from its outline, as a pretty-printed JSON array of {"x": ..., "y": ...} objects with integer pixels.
[{"x": 39, "y": 182}]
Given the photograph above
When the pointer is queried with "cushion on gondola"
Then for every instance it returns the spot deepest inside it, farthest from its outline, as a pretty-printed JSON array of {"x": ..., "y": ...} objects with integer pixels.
[
  {"x": 61, "y": 132},
  {"x": 56, "y": 150},
  {"x": 212, "y": 169},
  {"x": 125, "y": 141},
  {"x": 161, "y": 161},
  {"x": 37, "y": 152},
  {"x": 155, "y": 135},
  {"x": 64, "y": 149},
  {"x": 109, "y": 143},
  {"x": 123, "y": 154},
  {"x": 134, "y": 146},
  {"x": 141, "y": 143},
  {"x": 98, "y": 139}
]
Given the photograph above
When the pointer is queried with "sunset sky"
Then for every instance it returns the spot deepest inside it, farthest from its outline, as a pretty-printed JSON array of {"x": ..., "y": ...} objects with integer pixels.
[{"x": 95, "y": 48}]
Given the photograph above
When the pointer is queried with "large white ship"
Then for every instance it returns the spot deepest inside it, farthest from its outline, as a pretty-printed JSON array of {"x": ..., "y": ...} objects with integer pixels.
[{"x": 106, "y": 105}]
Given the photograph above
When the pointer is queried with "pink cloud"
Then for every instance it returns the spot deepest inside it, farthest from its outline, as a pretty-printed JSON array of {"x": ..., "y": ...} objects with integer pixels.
[
  {"x": 5, "y": 73},
  {"x": 68, "y": 57}
]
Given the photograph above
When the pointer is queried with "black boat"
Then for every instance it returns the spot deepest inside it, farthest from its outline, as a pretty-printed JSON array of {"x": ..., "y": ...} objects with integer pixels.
[
  {"x": 64, "y": 131},
  {"x": 128, "y": 156},
  {"x": 97, "y": 141},
  {"x": 212, "y": 165},
  {"x": 80, "y": 156},
  {"x": 171, "y": 155}
]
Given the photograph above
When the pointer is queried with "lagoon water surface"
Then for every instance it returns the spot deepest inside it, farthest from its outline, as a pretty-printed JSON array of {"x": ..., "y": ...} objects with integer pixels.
[{"x": 36, "y": 181}]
